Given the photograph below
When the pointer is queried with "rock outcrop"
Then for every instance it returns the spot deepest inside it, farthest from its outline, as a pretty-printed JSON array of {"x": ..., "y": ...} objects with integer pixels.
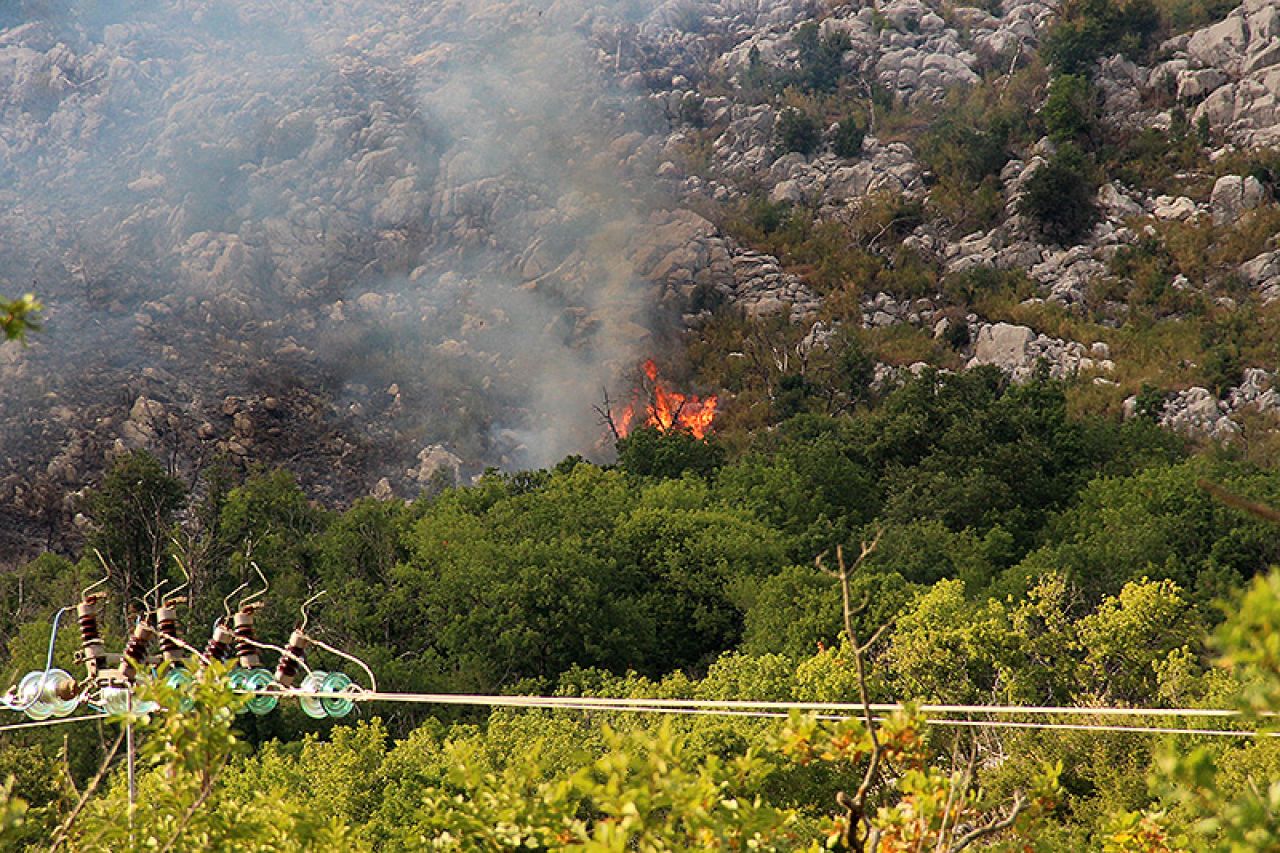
[
  {"x": 1241, "y": 55},
  {"x": 1020, "y": 352}
]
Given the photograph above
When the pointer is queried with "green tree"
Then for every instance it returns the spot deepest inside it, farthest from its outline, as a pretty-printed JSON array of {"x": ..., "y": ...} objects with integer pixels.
[
  {"x": 796, "y": 132},
  {"x": 1070, "y": 110},
  {"x": 268, "y": 521},
  {"x": 948, "y": 649},
  {"x": 1087, "y": 30},
  {"x": 651, "y": 452},
  {"x": 1123, "y": 642},
  {"x": 820, "y": 57},
  {"x": 133, "y": 512},
  {"x": 1058, "y": 196},
  {"x": 847, "y": 141},
  {"x": 1160, "y": 524}
]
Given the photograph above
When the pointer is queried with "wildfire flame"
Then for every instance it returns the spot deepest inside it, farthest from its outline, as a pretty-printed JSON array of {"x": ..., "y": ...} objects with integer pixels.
[{"x": 668, "y": 410}]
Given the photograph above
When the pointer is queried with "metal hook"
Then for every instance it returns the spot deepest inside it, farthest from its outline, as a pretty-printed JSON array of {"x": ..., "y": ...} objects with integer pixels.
[
  {"x": 305, "y": 616},
  {"x": 265, "y": 586},
  {"x": 186, "y": 574},
  {"x": 226, "y": 602},
  {"x": 84, "y": 594},
  {"x": 147, "y": 609}
]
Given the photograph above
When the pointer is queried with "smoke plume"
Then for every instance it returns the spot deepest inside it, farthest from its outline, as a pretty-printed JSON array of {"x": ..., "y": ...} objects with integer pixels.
[{"x": 328, "y": 234}]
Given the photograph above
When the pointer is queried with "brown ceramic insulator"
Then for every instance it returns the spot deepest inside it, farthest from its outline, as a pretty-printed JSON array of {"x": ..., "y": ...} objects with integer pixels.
[
  {"x": 219, "y": 646},
  {"x": 136, "y": 649},
  {"x": 93, "y": 651},
  {"x": 287, "y": 669},
  {"x": 87, "y": 615},
  {"x": 246, "y": 651},
  {"x": 167, "y": 622}
]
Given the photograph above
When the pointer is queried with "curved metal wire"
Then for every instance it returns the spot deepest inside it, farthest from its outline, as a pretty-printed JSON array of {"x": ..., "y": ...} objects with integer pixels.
[
  {"x": 279, "y": 649},
  {"x": 265, "y": 586},
  {"x": 306, "y": 616},
  {"x": 147, "y": 609},
  {"x": 186, "y": 574},
  {"x": 373, "y": 681},
  {"x": 226, "y": 602},
  {"x": 53, "y": 637},
  {"x": 84, "y": 593}
]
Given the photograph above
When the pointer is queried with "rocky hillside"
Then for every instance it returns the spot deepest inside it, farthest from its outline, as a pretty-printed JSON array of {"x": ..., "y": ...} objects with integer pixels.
[{"x": 383, "y": 243}]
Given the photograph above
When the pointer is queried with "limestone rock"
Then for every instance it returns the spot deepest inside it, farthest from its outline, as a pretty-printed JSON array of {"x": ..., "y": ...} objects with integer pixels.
[
  {"x": 1233, "y": 195},
  {"x": 1003, "y": 344}
]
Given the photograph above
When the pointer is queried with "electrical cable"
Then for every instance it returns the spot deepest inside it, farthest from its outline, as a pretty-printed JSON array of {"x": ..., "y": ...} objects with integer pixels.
[
  {"x": 373, "y": 682},
  {"x": 664, "y": 707},
  {"x": 754, "y": 709},
  {"x": 184, "y": 644},
  {"x": 737, "y": 704},
  {"x": 53, "y": 637},
  {"x": 55, "y": 722}
]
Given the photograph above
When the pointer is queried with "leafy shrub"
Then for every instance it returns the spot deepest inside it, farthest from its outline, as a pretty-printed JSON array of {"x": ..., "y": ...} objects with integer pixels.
[
  {"x": 1152, "y": 159},
  {"x": 1059, "y": 196},
  {"x": 965, "y": 150},
  {"x": 647, "y": 452},
  {"x": 1089, "y": 29},
  {"x": 847, "y": 141},
  {"x": 820, "y": 57},
  {"x": 692, "y": 111},
  {"x": 1223, "y": 368},
  {"x": 796, "y": 132},
  {"x": 1180, "y": 16},
  {"x": 957, "y": 334},
  {"x": 1069, "y": 112},
  {"x": 1150, "y": 402},
  {"x": 767, "y": 216}
]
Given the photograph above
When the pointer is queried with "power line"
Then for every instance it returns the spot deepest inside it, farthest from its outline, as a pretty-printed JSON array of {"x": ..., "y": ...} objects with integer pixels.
[
  {"x": 830, "y": 711},
  {"x": 778, "y": 710},
  {"x": 37, "y": 723},
  {"x": 756, "y": 705}
]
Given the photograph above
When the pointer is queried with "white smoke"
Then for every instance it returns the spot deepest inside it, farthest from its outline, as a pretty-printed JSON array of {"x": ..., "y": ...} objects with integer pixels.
[{"x": 344, "y": 195}]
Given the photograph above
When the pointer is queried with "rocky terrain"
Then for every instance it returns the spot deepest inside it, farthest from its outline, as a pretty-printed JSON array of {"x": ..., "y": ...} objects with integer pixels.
[{"x": 405, "y": 240}]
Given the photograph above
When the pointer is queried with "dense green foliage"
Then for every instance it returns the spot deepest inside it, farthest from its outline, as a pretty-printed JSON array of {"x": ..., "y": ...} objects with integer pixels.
[
  {"x": 847, "y": 140},
  {"x": 797, "y": 133},
  {"x": 1025, "y": 555},
  {"x": 1059, "y": 196},
  {"x": 1031, "y": 547},
  {"x": 1091, "y": 29}
]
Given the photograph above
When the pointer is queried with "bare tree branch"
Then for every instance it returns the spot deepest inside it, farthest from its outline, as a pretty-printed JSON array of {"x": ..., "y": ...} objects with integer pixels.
[
  {"x": 856, "y": 806},
  {"x": 61, "y": 835},
  {"x": 205, "y": 790},
  {"x": 999, "y": 825},
  {"x": 605, "y": 411}
]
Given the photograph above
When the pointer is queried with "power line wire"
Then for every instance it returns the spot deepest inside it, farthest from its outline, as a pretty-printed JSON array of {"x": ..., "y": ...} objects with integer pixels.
[
  {"x": 761, "y": 710},
  {"x": 746, "y": 704},
  {"x": 773, "y": 710},
  {"x": 57, "y": 722}
]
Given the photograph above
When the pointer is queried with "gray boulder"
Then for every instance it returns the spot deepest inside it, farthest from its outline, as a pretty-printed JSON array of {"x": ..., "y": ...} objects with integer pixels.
[
  {"x": 1233, "y": 195},
  {"x": 1004, "y": 345}
]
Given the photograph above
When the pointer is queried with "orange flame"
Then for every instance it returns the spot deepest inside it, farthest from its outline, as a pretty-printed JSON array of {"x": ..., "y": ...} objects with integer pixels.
[{"x": 669, "y": 410}]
